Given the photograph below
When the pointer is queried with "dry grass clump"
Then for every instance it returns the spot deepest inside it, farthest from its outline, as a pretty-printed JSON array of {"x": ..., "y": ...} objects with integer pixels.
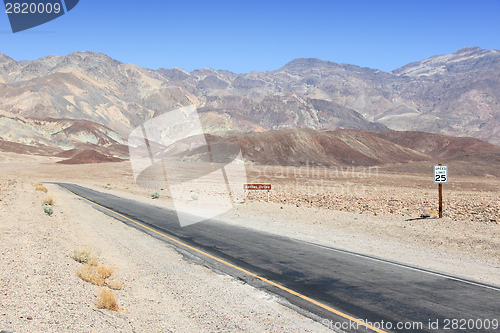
[
  {"x": 37, "y": 184},
  {"x": 41, "y": 188},
  {"x": 49, "y": 200},
  {"x": 106, "y": 300},
  {"x": 99, "y": 275},
  {"x": 85, "y": 256},
  {"x": 95, "y": 274}
]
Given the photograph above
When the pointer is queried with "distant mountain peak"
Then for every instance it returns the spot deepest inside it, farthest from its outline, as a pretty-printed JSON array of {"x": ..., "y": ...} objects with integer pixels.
[
  {"x": 307, "y": 63},
  {"x": 476, "y": 51},
  {"x": 470, "y": 49},
  {"x": 463, "y": 60},
  {"x": 453, "y": 94},
  {"x": 4, "y": 58}
]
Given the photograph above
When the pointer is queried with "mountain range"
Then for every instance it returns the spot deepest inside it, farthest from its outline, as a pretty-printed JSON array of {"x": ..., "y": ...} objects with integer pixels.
[{"x": 89, "y": 101}]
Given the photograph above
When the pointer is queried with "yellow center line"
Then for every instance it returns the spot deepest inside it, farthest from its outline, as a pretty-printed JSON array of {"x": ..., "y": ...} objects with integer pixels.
[{"x": 321, "y": 305}]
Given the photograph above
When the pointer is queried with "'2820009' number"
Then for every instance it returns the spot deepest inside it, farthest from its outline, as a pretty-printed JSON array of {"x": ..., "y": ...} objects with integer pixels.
[
  {"x": 32, "y": 8},
  {"x": 470, "y": 324}
]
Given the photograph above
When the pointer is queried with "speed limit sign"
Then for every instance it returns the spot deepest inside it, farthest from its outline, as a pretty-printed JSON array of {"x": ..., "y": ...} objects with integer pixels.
[
  {"x": 440, "y": 177},
  {"x": 440, "y": 174}
]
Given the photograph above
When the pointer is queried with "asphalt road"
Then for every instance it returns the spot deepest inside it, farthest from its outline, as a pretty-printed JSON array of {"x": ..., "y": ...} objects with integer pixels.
[{"x": 375, "y": 291}]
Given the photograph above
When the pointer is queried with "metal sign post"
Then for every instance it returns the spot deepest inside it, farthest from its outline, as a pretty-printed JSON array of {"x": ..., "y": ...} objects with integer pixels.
[
  {"x": 440, "y": 177},
  {"x": 440, "y": 200}
]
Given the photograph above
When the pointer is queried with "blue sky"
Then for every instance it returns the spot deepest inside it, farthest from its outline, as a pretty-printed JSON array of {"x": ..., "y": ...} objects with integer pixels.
[{"x": 260, "y": 35}]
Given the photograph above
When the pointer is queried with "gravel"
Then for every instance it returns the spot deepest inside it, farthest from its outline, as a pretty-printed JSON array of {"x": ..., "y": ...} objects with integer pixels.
[{"x": 163, "y": 292}]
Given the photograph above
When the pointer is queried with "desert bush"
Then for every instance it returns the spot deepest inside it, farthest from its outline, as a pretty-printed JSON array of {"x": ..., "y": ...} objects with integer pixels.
[
  {"x": 94, "y": 274},
  {"x": 106, "y": 300},
  {"x": 99, "y": 275},
  {"x": 41, "y": 188},
  {"x": 47, "y": 209},
  {"x": 85, "y": 256},
  {"x": 155, "y": 195},
  {"x": 49, "y": 200}
]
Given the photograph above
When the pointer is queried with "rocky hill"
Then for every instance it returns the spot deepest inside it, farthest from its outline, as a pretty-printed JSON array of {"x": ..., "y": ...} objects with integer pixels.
[
  {"x": 51, "y": 136},
  {"x": 358, "y": 148},
  {"x": 456, "y": 94},
  {"x": 89, "y": 101}
]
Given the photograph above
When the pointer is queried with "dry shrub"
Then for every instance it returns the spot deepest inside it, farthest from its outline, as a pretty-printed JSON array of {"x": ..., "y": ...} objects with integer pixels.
[
  {"x": 37, "y": 184},
  {"x": 99, "y": 275},
  {"x": 95, "y": 274},
  {"x": 106, "y": 300},
  {"x": 104, "y": 271},
  {"x": 48, "y": 209},
  {"x": 49, "y": 200},
  {"x": 85, "y": 256},
  {"x": 41, "y": 188}
]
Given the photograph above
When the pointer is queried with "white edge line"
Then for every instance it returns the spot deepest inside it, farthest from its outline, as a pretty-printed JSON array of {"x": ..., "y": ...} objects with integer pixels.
[{"x": 422, "y": 270}]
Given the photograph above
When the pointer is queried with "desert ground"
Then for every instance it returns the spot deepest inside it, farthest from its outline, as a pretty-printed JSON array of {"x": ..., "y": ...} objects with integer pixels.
[{"x": 365, "y": 210}]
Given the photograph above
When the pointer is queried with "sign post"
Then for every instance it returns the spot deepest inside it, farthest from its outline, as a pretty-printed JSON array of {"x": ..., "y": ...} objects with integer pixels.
[
  {"x": 256, "y": 187},
  {"x": 440, "y": 177},
  {"x": 440, "y": 200}
]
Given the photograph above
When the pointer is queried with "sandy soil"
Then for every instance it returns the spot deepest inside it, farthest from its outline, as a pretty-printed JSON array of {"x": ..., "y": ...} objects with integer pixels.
[
  {"x": 163, "y": 292},
  {"x": 166, "y": 293}
]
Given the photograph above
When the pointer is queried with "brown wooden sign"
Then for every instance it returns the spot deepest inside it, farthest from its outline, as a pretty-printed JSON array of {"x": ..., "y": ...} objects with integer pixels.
[{"x": 257, "y": 187}]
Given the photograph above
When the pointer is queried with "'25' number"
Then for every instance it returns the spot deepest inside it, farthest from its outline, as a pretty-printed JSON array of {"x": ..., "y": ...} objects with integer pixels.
[{"x": 440, "y": 178}]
